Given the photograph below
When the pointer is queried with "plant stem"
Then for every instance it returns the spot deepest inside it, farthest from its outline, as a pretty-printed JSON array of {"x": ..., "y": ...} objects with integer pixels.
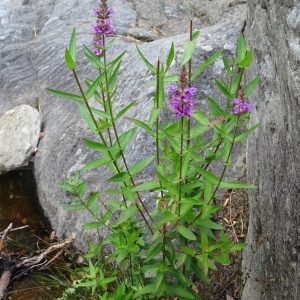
[
  {"x": 120, "y": 148},
  {"x": 109, "y": 153}
]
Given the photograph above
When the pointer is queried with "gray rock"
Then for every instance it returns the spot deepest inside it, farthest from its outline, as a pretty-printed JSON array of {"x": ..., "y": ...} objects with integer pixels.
[
  {"x": 28, "y": 68},
  {"x": 272, "y": 257},
  {"x": 19, "y": 134}
]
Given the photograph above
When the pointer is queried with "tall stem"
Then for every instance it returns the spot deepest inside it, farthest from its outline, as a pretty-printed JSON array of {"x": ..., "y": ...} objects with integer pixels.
[
  {"x": 119, "y": 144},
  {"x": 104, "y": 143}
]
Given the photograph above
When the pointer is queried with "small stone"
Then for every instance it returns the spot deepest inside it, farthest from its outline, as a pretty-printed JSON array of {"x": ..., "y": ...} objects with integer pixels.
[{"x": 19, "y": 135}]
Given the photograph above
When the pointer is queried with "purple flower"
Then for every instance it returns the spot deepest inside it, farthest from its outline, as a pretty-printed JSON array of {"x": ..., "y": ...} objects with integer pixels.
[
  {"x": 240, "y": 106},
  {"x": 103, "y": 27},
  {"x": 182, "y": 101}
]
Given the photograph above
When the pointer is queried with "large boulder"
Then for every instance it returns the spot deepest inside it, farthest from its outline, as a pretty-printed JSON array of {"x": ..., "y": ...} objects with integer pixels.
[
  {"x": 272, "y": 258},
  {"x": 61, "y": 152},
  {"x": 19, "y": 135}
]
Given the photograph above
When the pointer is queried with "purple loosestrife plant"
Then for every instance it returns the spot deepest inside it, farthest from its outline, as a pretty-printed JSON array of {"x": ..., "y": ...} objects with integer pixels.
[
  {"x": 102, "y": 28},
  {"x": 175, "y": 242}
]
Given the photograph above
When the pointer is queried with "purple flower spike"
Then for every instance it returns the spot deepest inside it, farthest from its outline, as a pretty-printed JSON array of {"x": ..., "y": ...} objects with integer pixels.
[
  {"x": 240, "y": 106},
  {"x": 182, "y": 101},
  {"x": 103, "y": 27}
]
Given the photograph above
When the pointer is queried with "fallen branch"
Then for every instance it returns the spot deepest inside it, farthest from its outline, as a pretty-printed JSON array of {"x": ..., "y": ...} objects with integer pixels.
[{"x": 11, "y": 265}]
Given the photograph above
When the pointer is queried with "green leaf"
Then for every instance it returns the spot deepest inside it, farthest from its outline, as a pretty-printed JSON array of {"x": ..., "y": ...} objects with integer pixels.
[
  {"x": 70, "y": 63},
  {"x": 70, "y": 96},
  {"x": 124, "y": 110},
  {"x": 142, "y": 125},
  {"x": 188, "y": 50},
  {"x": 158, "y": 281},
  {"x": 126, "y": 214},
  {"x": 146, "y": 186},
  {"x": 81, "y": 188},
  {"x": 188, "y": 250},
  {"x": 179, "y": 291},
  {"x": 238, "y": 247},
  {"x": 87, "y": 117},
  {"x": 185, "y": 232},
  {"x": 241, "y": 47},
  {"x": 93, "y": 59},
  {"x": 168, "y": 78},
  {"x": 170, "y": 56},
  {"x": 205, "y": 64},
  {"x": 208, "y": 191},
  {"x": 116, "y": 204},
  {"x": 139, "y": 166},
  {"x": 92, "y": 203},
  {"x": 67, "y": 187},
  {"x": 222, "y": 258},
  {"x": 97, "y": 163},
  {"x": 201, "y": 118},
  {"x": 209, "y": 176},
  {"x": 92, "y": 225},
  {"x": 209, "y": 224},
  {"x": 153, "y": 251},
  {"x": 193, "y": 201},
  {"x": 171, "y": 218},
  {"x": 120, "y": 177},
  {"x": 92, "y": 199},
  {"x": 122, "y": 255},
  {"x": 242, "y": 137},
  {"x": 126, "y": 137},
  {"x": 171, "y": 78},
  {"x": 147, "y": 63},
  {"x": 180, "y": 260},
  {"x": 148, "y": 289},
  {"x": 155, "y": 112},
  {"x": 117, "y": 59},
  {"x": 249, "y": 88},
  {"x": 95, "y": 145},
  {"x": 216, "y": 109},
  {"x": 236, "y": 82},
  {"x": 223, "y": 89},
  {"x": 195, "y": 34},
  {"x": 87, "y": 283},
  {"x": 247, "y": 60},
  {"x": 92, "y": 88},
  {"x": 113, "y": 78},
  {"x": 74, "y": 207},
  {"x": 236, "y": 185},
  {"x": 72, "y": 45},
  {"x": 227, "y": 67}
]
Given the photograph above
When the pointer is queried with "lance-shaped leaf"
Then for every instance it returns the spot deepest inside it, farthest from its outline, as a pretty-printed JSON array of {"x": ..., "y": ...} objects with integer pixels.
[
  {"x": 205, "y": 64},
  {"x": 185, "y": 232},
  {"x": 188, "y": 50},
  {"x": 97, "y": 163},
  {"x": 92, "y": 88},
  {"x": 249, "y": 88},
  {"x": 147, "y": 63},
  {"x": 139, "y": 166},
  {"x": 126, "y": 214},
  {"x": 241, "y": 48},
  {"x": 66, "y": 95}
]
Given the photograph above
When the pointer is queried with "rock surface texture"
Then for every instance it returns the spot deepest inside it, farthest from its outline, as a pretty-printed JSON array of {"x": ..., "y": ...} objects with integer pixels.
[
  {"x": 19, "y": 134},
  {"x": 273, "y": 261},
  {"x": 33, "y": 38}
]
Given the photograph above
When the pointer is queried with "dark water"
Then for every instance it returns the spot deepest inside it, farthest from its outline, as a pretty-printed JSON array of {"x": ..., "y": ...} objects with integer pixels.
[
  {"x": 18, "y": 200},
  {"x": 19, "y": 206}
]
